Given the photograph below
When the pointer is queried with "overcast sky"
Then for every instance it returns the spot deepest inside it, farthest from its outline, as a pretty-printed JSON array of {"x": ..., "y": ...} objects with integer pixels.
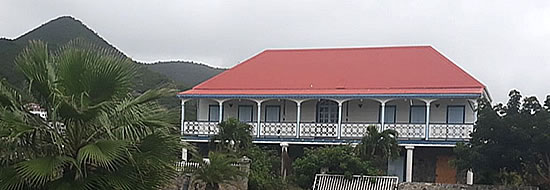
[{"x": 504, "y": 44}]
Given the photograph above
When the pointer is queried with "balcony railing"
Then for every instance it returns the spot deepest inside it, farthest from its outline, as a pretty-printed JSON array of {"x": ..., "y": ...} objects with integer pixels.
[
  {"x": 357, "y": 130},
  {"x": 200, "y": 128},
  {"x": 318, "y": 129},
  {"x": 451, "y": 131},
  {"x": 283, "y": 129},
  {"x": 408, "y": 130},
  {"x": 348, "y": 130}
]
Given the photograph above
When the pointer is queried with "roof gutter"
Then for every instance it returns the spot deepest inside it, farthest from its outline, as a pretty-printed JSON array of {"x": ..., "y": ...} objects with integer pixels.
[{"x": 355, "y": 96}]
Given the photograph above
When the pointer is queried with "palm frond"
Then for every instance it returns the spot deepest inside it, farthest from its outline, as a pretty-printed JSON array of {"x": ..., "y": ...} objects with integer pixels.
[
  {"x": 108, "y": 154},
  {"x": 36, "y": 64},
  {"x": 38, "y": 171}
]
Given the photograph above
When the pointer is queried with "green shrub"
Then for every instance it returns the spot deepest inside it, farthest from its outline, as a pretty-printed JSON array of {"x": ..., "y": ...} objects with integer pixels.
[{"x": 335, "y": 159}]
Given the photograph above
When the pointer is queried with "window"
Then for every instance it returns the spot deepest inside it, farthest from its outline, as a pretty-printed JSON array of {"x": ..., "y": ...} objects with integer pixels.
[
  {"x": 417, "y": 114},
  {"x": 327, "y": 111},
  {"x": 455, "y": 114},
  {"x": 245, "y": 113},
  {"x": 389, "y": 114},
  {"x": 272, "y": 113},
  {"x": 214, "y": 113}
]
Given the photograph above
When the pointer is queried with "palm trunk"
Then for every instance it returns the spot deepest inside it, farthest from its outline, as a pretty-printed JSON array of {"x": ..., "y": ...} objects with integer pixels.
[{"x": 212, "y": 186}]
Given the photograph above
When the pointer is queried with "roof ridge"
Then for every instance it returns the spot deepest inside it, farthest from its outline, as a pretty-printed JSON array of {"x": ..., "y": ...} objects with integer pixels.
[{"x": 348, "y": 48}]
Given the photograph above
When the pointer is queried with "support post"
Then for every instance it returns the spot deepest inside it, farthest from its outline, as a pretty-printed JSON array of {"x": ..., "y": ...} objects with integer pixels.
[
  {"x": 259, "y": 118},
  {"x": 182, "y": 116},
  {"x": 409, "y": 165},
  {"x": 382, "y": 115},
  {"x": 284, "y": 159},
  {"x": 184, "y": 154},
  {"x": 183, "y": 150},
  {"x": 298, "y": 115},
  {"x": 339, "y": 131},
  {"x": 470, "y": 177},
  {"x": 220, "y": 116},
  {"x": 427, "y": 130}
]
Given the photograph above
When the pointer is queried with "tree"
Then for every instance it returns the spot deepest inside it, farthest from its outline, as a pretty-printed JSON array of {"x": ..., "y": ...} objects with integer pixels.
[
  {"x": 264, "y": 169},
  {"x": 378, "y": 146},
  {"x": 233, "y": 136},
  {"x": 334, "y": 159},
  {"x": 218, "y": 170},
  {"x": 97, "y": 134},
  {"x": 510, "y": 143}
]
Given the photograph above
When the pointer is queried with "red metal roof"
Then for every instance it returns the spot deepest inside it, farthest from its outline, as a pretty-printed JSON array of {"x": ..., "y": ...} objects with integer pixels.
[{"x": 383, "y": 70}]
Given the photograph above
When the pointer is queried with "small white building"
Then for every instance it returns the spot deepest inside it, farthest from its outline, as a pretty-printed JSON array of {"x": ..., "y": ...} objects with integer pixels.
[{"x": 330, "y": 96}]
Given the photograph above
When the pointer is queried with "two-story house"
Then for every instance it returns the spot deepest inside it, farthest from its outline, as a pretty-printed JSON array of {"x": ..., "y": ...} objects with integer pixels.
[{"x": 306, "y": 97}]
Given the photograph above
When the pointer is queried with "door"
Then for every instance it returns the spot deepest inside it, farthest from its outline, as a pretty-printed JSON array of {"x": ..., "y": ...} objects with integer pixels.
[
  {"x": 444, "y": 172},
  {"x": 327, "y": 111}
]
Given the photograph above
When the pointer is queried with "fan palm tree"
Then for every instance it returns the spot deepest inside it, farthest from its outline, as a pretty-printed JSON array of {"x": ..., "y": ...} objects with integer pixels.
[
  {"x": 97, "y": 134},
  {"x": 217, "y": 170},
  {"x": 378, "y": 145},
  {"x": 233, "y": 136}
]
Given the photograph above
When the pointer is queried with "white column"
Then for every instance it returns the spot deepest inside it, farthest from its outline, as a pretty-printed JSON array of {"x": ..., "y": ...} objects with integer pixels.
[
  {"x": 220, "y": 117},
  {"x": 339, "y": 131},
  {"x": 184, "y": 154},
  {"x": 183, "y": 150},
  {"x": 182, "y": 116},
  {"x": 409, "y": 167},
  {"x": 470, "y": 177},
  {"x": 427, "y": 132},
  {"x": 284, "y": 152},
  {"x": 382, "y": 115},
  {"x": 298, "y": 115},
  {"x": 259, "y": 118}
]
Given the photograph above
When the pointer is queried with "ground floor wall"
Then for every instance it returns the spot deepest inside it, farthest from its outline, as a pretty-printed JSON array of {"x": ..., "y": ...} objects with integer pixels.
[{"x": 430, "y": 164}]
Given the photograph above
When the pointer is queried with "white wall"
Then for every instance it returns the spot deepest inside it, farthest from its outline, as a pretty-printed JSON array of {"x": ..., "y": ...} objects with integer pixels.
[{"x": 351, "y": 112}]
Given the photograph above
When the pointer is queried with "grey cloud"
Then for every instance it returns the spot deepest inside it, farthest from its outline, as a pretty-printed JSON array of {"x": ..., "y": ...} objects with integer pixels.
[{"x": 502, "y": 43}]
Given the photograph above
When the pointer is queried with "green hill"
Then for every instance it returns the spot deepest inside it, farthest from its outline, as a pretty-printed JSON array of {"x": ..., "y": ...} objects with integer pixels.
[
  {"x": 59, "y": 31},
  {"x": 185, "y": 72},
  {"x": 56, "y": 33}
]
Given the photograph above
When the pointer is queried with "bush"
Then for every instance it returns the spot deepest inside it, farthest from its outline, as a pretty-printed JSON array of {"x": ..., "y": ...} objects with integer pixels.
[
  {"x": 264, "y": 169},
  {"x": 336, "y": 159}
]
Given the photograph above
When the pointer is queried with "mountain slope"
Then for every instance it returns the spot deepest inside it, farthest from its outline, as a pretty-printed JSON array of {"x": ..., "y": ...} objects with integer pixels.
[
  {"x": 59, "y": 31},
  {"x": 186, "y": 73}
]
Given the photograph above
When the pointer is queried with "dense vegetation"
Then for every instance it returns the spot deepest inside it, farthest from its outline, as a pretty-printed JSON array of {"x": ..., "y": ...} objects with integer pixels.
[
  {"x": 333, "y": 160},
  {"x": 510, "y": 144},
  {"x": 97, "y": 135},
  {"x": 184, "y": 72},
  {"x": 234, "y": 139}
]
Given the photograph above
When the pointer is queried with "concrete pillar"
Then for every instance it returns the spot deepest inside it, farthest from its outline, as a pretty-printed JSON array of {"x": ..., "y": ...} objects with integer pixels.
[
  {"x": 409, "y": 164},
  {"x": 259, "y": 118},
  {"x": 339, "y": 130},
  {"x": 284, "y": 155},
  {"x": 382, "y": 115},
  {"x": 298, "y": 115},
  {"x": 427, "y": 130},
  {"x": 182, "y": 116},
  {"x": 220, "y": 116},
  {"x": 184, "y": 154},
  {"x": 183, "y": 150},
  {"x": 470, "y": 177}
]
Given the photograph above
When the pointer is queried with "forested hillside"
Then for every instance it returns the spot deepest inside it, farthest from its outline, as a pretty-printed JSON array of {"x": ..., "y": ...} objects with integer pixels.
[{"x": 57, "y": 32}]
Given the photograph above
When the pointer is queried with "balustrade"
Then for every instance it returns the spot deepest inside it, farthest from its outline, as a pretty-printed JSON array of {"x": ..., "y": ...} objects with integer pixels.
[
  {"x": 407, "y": 130},
  {"x": 451, "y": 131},
  {"x": 330, "y": 130},
  {"x": 318, "y": 129},
  {"x": 357, "y": 130},
  {"x": 283, "y": 129}
]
